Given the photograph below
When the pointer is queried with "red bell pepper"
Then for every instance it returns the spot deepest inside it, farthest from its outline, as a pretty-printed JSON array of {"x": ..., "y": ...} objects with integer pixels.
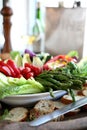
[
  {"x": 14, "y": 68},
  {"x": 5, "y": 70},
  {"x": 2, "y": 63},
  {"x": 26, "y": 72},
  {"x": 29, "y": 75},
  {"x": 63, "y": 59},
  {"x": 34, "y": 69}
]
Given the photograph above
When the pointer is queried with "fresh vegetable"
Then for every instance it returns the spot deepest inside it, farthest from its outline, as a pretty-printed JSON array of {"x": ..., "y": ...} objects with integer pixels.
[
  {"x": 15, "y": 86},
  {"x": 82, "y": 65},
  {"x": 58, "y": 61},
  {"x": 14, "y": 67},
  {"x": 27, "y": 73},
  {"x": 6, "y": 69},
  {"x": 61, "y": 72},
  {"x": 37, "y": 62},
  {"x": 73, "y": 54},
  {"x": 13, "y": 54},
  {"x": 9, "y": 68},
  {"x": 18, "y": 60},
  {"x": 31, "y": 53},
  {"x": 5, "y": 113},
  {"x": 34, "y": 69},
  {"x": 44, "y": 57},
  {"x": 26, "y": 59},
  {"x": 64, "y": 78}
]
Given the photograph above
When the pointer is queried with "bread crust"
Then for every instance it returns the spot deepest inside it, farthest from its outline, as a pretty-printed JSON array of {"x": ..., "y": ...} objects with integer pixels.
[
  {"x": 17, "y": 114},
  {"x": 44, "y": 107}
]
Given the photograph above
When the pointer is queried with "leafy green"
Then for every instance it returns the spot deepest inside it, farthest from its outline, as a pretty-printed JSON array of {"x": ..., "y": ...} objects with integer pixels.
[
  {"x": 13, "y": 54},
  {"x": 44, "y": 57},
  {"x": 18, "y": 60},
  {"x": 2, "y": 117},
  {"x": 14, "y": 86},
  {"x": 73, "y": 54},
  {"x": 82, "y": 65}
]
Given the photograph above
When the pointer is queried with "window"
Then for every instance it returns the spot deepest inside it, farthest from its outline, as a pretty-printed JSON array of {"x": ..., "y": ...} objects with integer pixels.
[
  {"x": 23, "y": 18},
  {"x": 22, "y": 21}
]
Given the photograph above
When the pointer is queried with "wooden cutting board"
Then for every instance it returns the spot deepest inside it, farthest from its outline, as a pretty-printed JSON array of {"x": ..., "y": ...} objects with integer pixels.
[{"x": 78, "y": 122}]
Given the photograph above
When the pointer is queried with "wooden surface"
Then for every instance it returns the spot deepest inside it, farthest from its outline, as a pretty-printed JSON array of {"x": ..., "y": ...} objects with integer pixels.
[
  {"x": 74, "y": 122},
  {"x": 7, "y": 13},
  {"x": 78, "y": 122}
]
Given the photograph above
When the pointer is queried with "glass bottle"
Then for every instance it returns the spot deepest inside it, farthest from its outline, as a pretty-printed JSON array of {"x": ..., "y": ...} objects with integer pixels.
[{"x": 38, "y": 31}]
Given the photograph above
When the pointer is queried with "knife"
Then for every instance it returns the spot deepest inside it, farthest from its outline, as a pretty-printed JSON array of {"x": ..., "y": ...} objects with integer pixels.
[{"x": 46, "y": 118}]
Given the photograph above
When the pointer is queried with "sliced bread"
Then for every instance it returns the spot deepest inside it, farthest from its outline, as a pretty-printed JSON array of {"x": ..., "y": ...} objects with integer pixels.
[
  {"x": 67, "y": 99},
  {"x": 44, "y": 107},
  {"x": 17, "y": 114},
  {"x": 82, "y": 92}
]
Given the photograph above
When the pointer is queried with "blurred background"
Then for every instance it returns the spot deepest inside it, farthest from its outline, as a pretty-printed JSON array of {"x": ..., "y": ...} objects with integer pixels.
[{"x": 54, "y": 26}]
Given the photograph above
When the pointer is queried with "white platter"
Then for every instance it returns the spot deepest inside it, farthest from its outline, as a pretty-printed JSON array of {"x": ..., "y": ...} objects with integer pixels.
[{"x": 30, "y": 99}]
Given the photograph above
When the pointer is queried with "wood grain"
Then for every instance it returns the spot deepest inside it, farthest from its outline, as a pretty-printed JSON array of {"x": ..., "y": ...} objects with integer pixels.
[
  {"x": 7, "y": 13},
  {"x": 70, "y": 124}
]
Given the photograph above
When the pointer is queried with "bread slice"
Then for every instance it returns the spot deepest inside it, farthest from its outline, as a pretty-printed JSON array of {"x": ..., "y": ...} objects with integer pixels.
[
  {"x": 67, "y": 99},
  {"x": 44, "y": 107},
  {"x": 85, "y": 85},
  {"x": 17, "y": 114},
  {"x": 83, "y": 93},
  {"x": 74, "y": 112},
  {"x": 60, "y": 105},
  {"x": 33, "y": 114}
]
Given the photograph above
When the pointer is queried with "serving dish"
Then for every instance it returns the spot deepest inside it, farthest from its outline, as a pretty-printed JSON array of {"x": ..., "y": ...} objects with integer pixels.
[{"x": 31, "y": 99}]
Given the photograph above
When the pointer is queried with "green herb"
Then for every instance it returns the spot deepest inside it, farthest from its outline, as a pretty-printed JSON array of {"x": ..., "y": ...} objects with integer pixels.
[{"x": 4, "y": 114}]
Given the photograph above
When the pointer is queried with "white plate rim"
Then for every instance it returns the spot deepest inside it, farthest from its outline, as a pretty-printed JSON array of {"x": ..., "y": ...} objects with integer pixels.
[{"x": 31, "y": 95}]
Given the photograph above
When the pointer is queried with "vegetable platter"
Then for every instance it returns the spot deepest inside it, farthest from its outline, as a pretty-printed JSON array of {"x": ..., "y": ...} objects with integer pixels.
[{"x": 28, "y": 74}]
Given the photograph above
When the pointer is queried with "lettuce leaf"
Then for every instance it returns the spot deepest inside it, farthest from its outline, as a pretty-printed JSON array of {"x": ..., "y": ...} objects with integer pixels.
[{"x": 15, "y": 86}]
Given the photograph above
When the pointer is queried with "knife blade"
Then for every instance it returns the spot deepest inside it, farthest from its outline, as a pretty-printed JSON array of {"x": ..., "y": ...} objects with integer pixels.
[{"x": 46, "y": 118}]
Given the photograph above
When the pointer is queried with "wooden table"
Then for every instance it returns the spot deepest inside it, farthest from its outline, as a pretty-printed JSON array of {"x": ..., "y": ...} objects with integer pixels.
[{"x": 77, "y": 122}]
